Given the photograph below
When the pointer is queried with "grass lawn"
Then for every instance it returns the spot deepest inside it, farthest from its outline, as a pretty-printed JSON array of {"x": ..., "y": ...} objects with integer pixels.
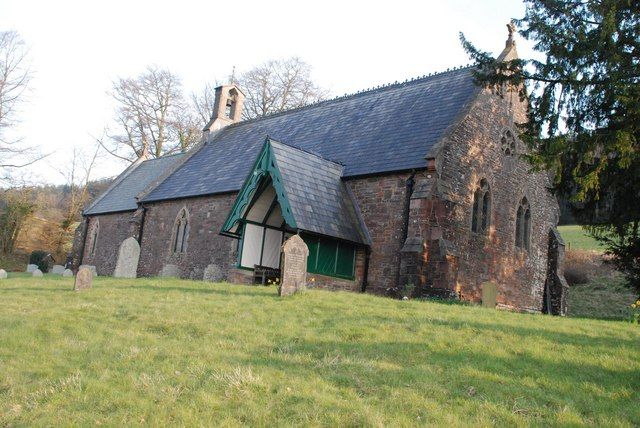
[
  {"x": 173, "y": 352},
  {"x": 602, "y": 297},
  {"x": 576, "y": 238}
]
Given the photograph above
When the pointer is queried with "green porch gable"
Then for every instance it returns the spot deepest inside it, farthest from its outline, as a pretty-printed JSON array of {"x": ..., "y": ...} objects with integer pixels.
[
  {"x": 263, "y": 171},
  {"x": 310, "y": 193}
]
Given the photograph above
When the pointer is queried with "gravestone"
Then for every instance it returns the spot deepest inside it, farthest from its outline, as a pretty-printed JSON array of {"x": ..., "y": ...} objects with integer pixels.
[
  {"x": 37, "y": 273},
  {"x": 31, "y": 268},
  {"x": 169, "y": 271},
  {"x": 3, "y": 274},
  {"x": 91, "y": 268},
  {"x": 57, "y": 269},
  {"x": 294, "y": 268},
  {"x": 84, "y": 279},
  {"x": 212, "y": 273},
  {"x": 128, "y": 255},
  {"x": 67, "y": 273},
  {"x": 489, "y": 294}
]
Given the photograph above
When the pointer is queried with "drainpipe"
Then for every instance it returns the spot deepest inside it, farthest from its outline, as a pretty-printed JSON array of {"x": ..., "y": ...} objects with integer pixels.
[
  {"x": 142, "y": 217},
  {"x": 85, "y": 227},
  {"x": 365, "y": 274},
  {"x": 405, "y": 219}
]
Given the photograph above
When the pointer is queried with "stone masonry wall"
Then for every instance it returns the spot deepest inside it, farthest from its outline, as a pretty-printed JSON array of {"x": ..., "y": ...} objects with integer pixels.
[
  {"x": 473, "y": 152},
  {"x": 204, "y": 245},
  {"x": 381, "y": 200},
  {"x": 113, "y": 229}
]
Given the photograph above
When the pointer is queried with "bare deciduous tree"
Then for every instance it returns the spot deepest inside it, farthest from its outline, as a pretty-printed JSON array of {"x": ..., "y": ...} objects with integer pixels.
[
  {"x": 150, "y": 117},
  {"x": 203, "y": 102},
  {"x": 77, "y": 174},
  {"x": 14, "y": 80},
  {"x": 279, "y": 85}
]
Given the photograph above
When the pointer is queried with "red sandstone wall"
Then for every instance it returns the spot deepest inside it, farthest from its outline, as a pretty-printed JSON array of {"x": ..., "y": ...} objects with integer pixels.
[
  {"x": 381, "y": 201},
  {"x": 114, "y": 228},
  {"x": 472, "y": 152},
  {"x": 205, "y": 245}
]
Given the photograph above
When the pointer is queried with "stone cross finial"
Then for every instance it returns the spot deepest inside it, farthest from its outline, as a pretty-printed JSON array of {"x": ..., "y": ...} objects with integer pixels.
[{"x": 511, "y": 27}]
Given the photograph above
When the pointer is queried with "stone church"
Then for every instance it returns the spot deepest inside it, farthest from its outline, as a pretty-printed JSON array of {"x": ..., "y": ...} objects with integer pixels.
[{"x": 414, "y": 186}]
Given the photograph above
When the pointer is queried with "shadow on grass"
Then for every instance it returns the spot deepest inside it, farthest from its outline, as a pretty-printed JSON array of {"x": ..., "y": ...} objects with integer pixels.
[
  {"x": 51, "y": 290},
  {"x": 496, "y": 377},
  {"x": 222, "y": 292}
]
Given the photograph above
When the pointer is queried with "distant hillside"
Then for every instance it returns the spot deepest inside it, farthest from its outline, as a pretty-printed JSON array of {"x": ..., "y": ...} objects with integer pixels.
[{"x": 43, "y": 229}]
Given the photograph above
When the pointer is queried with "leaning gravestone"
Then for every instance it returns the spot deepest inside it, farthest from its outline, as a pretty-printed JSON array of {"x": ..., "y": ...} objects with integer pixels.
[
  {"x": 91, "y": 268},
  {"x": 3, "y": 274},
  {"x": 128, "y": 255},
  {"x": 84, "y": 279},
  {"x": 57, "y": 269},
  {"x": 169, "y": 271},
  {"x": 31, "y": 268},
  {"x": 294, "y": 270},
  {"x": 37, "y": 273},
  {"x": 212, "y": 273},
  {"x": 489, "y": 294},
  {"x": 67, "y": 273}
]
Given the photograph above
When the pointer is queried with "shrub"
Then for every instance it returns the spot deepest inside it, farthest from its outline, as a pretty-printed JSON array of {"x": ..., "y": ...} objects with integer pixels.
[
  {"x": 582, "y": 266},
  {"x": 40, "y": 258},
  {"x": 635, "y": 312}
]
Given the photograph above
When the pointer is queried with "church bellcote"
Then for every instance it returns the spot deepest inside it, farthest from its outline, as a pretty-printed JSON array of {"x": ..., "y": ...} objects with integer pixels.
[{"x": 227, "y": 108}]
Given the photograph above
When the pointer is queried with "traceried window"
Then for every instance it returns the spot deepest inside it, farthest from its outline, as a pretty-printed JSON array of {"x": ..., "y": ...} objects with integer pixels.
[
  {"x": 181, "y": 232},
  {"x": 94, "y": 238},
  {"x": 480, "y": 217},
  {"x": 523, "y": 225},
  {"x": 508, "y": 142}
]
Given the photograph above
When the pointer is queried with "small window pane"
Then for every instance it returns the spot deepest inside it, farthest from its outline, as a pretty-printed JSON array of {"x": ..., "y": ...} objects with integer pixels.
[
  {"x": 327, "y": 257},
  {"x": 251, "y": 245},
  {"x": 271, "y": 249},
  {"x": 519, "y": 227},
  {"x": 312, "y": 260},
  {"x": 474, "y": 214},
  {"x": 344, "y": 265},
  {"x": 527, "y": 229},
  {"x": 485, "y": 212}
]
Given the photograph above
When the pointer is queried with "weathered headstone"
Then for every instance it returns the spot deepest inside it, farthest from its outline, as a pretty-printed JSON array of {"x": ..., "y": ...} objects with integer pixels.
[
  {"x": 31, "y": 268},
  {"x": 57, "y": 269},
  {"x": 294, "y": 270},
  {"x": 169, "y": 271},
  {"x": 67, "y": 273},
  {"x": 84, "y": 279},
  {"x": 489, "y": 294},
  {"x": 37, "y": 273},
  {"x": 3, "y": 274},
  {"x": 212, "y": 273},
  {"x": 128, "y": 255},
  {"x": 91, "y": 268}
]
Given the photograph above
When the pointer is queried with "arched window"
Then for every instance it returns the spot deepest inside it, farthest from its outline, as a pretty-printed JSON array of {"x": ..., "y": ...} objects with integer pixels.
[
  {"x": 508, "y": 142},
  {"x": 480, "y": 217},
  {"x": 181, "y": 232},
  {"x": 94, "y": 238},
  {"x": 523, "y": 225}
]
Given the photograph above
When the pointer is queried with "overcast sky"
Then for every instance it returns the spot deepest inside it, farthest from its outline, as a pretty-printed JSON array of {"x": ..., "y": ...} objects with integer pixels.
[{"x": 77, "y": 48}]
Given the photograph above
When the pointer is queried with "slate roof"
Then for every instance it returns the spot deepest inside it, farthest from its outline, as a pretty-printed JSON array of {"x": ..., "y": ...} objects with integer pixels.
[
  {"x": 121, "y": 196},
  {"x": 382, "y": 130},
  {"x": 319, "y": 200}
]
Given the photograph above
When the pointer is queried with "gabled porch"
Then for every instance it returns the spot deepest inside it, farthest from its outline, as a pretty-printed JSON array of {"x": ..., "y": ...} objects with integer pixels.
[{"x": 291, "y": 191}]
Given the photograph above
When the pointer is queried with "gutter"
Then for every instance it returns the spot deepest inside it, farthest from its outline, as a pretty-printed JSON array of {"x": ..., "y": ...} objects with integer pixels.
[{"x": 365, "y": 275}]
